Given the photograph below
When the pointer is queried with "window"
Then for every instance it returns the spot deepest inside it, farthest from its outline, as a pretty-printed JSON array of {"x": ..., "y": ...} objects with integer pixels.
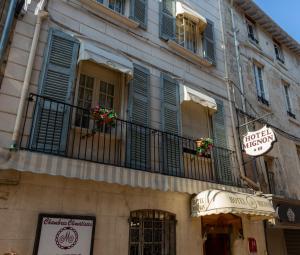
[
  {"x": 91, "y": 92},
  {"x": 152, "y": 232},
  {"x": 252, "y": 35},
  {"x": 186, "y": 33},
  {"x": 261, "y": 90},
  {"x": 135, "y": 10},
  {"x": 286, "y": 88},
  {"x": 278, "y": 52},
  {"x": 115, "y": 5}
]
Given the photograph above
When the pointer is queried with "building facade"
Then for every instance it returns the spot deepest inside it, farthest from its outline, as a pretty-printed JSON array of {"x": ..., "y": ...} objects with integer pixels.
[
  {"x": 265, "y": 74},
  {"x": 144, "y": 182}
]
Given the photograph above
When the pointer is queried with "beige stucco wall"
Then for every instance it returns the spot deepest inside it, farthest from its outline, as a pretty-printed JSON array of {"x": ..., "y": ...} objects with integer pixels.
[{"x": 32, "y": 194}]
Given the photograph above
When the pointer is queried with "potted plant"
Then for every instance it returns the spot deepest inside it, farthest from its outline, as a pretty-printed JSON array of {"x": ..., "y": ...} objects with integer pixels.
[
  {"x": 103, "y": 116},
  {"x": 203, "y": 146}
]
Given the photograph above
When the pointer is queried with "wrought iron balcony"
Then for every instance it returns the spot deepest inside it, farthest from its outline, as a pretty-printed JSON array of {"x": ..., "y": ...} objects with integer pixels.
[{"x": 66, "y": 130}]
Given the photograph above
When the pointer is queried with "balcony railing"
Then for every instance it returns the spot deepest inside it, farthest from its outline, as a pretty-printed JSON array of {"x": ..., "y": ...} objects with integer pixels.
[{"x": 66, "y": 130}]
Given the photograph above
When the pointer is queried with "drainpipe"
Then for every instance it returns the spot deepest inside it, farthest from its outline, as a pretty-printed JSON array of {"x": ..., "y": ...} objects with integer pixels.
[
  {"x": 233, "y": 121},
  {"x": 40, "y": 16},
  {"x": 237, "y": 54},
  {"x": 7, "y": 27}
]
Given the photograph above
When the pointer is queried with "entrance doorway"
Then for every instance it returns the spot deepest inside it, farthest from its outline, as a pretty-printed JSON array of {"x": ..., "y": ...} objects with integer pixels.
[{"x": 217, "y": 244}]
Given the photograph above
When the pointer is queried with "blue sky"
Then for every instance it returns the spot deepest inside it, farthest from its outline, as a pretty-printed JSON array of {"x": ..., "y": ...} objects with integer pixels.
[{"x": 285, "y": 13}]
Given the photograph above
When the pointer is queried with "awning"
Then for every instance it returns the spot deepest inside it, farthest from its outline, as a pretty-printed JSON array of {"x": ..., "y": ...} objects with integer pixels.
[
  {"x": 188, "y": 94},
  {"x": 211, "y": 202},
  {"x": 113, "y": 60},
  {"x": 182, "y": 8}
]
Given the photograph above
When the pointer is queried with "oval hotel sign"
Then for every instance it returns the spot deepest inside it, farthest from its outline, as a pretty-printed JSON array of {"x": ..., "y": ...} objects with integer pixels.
[{"x": 259, "y": 142}]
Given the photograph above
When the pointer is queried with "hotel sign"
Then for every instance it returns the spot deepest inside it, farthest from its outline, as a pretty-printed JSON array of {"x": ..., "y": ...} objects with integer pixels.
[
  {"x": 259, "y": 142},
  {"x": 64, "y": 235}
]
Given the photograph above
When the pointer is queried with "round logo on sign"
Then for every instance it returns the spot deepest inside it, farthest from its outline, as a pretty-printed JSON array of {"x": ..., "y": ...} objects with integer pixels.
[{"x": 66, "y": 238}]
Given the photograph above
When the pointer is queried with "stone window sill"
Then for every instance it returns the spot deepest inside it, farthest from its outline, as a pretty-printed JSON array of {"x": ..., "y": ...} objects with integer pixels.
[
  {"x": 189, "y": 54},
  {"x": 114, "y": 15},
  {"x": 265, "y": 107},
  {"x": 282, "y": 65},
  {"x": 294, "y": 121}
]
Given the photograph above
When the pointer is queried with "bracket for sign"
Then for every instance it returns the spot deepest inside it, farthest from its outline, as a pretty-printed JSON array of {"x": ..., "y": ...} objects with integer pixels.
[{"x": 262, "y": 117}]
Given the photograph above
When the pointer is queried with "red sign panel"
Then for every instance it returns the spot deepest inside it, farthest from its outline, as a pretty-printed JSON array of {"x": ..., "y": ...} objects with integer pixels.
[{"x": 252, "y": 245}]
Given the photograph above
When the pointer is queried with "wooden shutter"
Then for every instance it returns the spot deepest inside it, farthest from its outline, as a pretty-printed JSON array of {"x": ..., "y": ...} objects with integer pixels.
[
  {"x": 292, "y": 237},
  {"x": 209, "y": 42},
  {"x": 139, "y": 137},
  {"x": 51, "y": 118},
  {"x": 167, "y": 19},
  {"x": 172, "y": 152},
  {"x": 222, "y": 156},
  {"x": 138, "y": 11}
]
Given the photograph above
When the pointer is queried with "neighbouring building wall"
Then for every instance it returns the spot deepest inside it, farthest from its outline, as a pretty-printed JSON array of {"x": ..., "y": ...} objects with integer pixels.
[{"x": 274, "y": 74}]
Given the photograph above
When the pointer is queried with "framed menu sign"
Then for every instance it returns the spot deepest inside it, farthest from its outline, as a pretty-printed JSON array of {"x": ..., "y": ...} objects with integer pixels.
[{"x": 64, "y": 235}]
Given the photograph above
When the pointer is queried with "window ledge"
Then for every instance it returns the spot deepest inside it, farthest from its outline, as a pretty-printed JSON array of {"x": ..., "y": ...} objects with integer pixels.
[
  {"x": 264, "y": 106},
  {"x": 279, "y": 63},
  {"x": 252, "y": 45},
  {"x": 294, "y": 121},
  {"x": 189, "y": 54},
  {"x": 114, "y": 15}
]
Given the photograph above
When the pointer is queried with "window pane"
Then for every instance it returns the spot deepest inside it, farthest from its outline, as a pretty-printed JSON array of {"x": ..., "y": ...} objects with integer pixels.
[
  {"x": 147, "y": 249},
  {"x": 85, "y": 95},
  {"x": 106, "y": 96},
  {"x": 110, "y": 90},
  {"x": 117, "y": 5},
  {"x": 103, "y": 86},
  {"x": 102, "y": 100},
  {"x": 134, "y": 249},
  {"x": 186, "y": 33}
]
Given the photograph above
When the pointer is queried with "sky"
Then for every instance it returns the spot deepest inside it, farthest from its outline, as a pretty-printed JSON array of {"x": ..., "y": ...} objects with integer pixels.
[{"x": 285, "y": 13}]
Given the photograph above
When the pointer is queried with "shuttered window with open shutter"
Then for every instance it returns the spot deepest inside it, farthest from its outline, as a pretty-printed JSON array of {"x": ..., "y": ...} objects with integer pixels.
[
  {"x": 167, "y": 16},
  {"x": 222, "y": 158},
  {"x": 209, "y": 42},
  {"x": 51, "y": 119},
  {"x": 139, "y": 137},
  {"x": 138, "y": 11},
  {"x": 172, "y": 147}
]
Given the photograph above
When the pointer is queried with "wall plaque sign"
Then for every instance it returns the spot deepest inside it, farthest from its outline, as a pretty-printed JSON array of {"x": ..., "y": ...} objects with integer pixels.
[
  {"x": 259, "y": 142},
  {"x": 64, "y": 235}
]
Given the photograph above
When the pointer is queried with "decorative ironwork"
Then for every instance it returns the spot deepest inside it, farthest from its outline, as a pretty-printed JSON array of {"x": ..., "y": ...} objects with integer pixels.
[
  {"x": 152, "y": 232},
  {"x": 51, "y": 127}
]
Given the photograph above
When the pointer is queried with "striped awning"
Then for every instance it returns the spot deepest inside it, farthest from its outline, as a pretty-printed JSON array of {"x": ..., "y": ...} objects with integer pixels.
[
  {"x": 215, "y": 201},
  {"x": 60, "y": 166},
  {"x": 106, "y": 57}
]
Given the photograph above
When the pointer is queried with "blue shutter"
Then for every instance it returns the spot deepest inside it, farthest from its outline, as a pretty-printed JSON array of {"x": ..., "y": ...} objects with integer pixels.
[
  {"x": 51, "y": 118},
  {"x": 167, "y": 19},
  {"x": 170, "y": 118},
  {"x": 139, "y": 135},
  {"x": 209, "y": 42},
  {"x": 139, "y": 11},
  {"x": 222, "y": 156}
]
